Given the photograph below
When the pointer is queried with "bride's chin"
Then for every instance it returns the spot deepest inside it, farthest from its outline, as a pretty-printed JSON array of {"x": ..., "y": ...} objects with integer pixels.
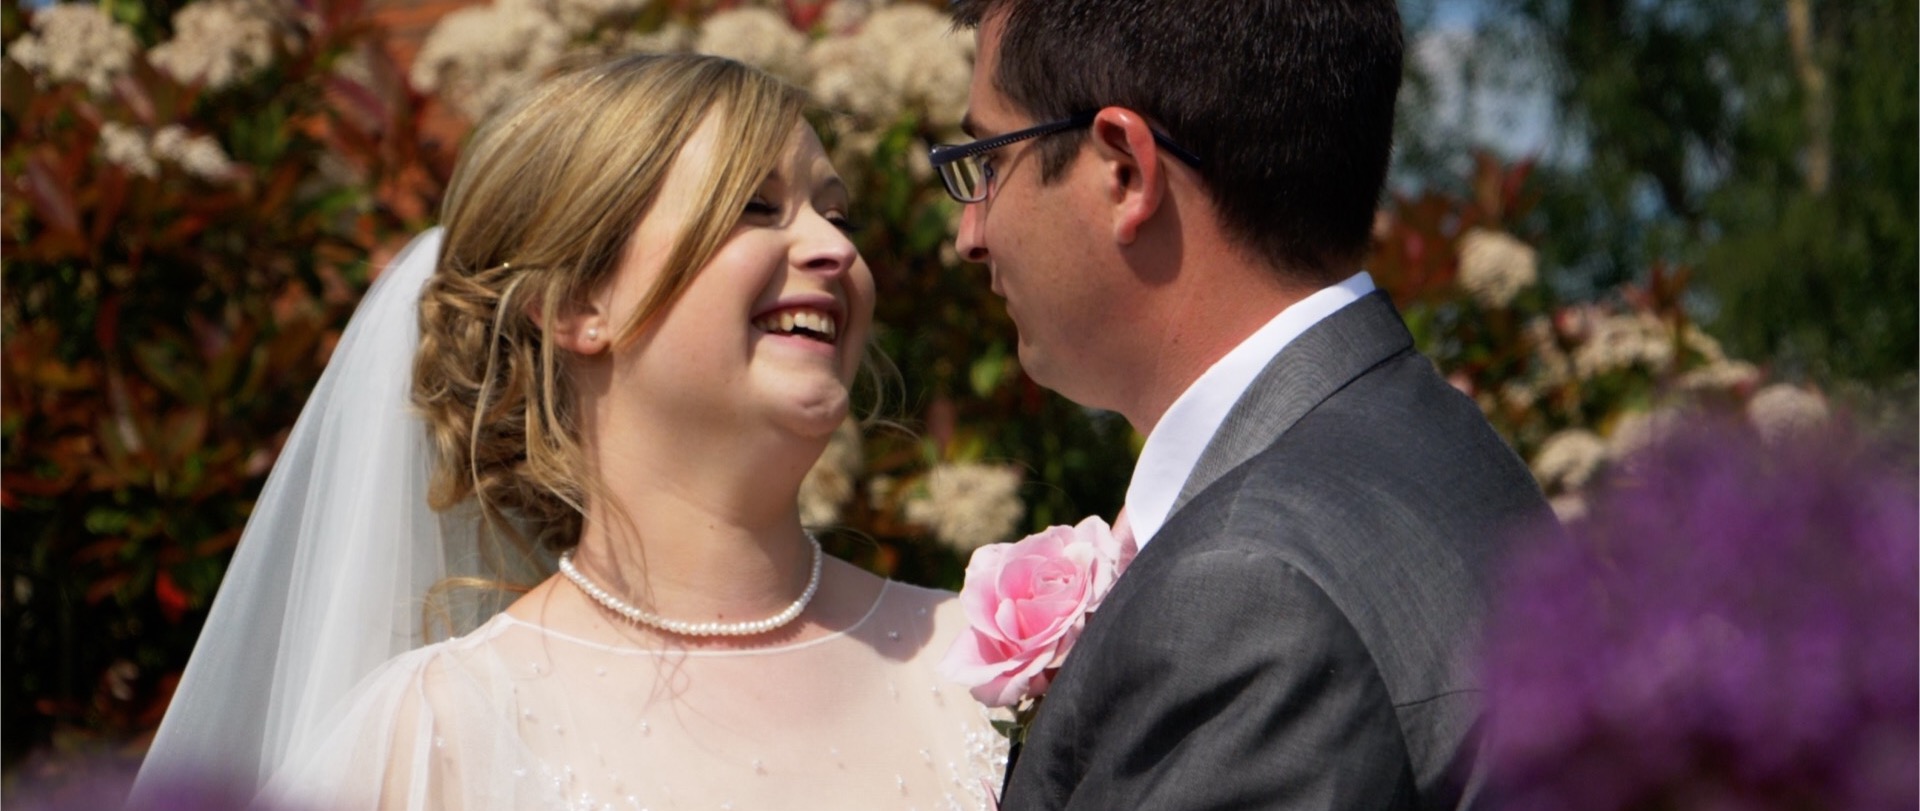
[{"x": 817, "y": 415}]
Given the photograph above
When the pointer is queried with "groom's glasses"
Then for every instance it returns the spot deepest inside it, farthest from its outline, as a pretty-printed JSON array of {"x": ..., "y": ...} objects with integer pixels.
[{"x": 968, "y": 174}]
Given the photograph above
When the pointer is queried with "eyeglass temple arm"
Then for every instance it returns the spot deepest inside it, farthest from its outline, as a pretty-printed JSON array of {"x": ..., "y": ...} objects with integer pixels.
[
  {"x": 942, "y": 155},
  {"x": 1176, "y": 150}
]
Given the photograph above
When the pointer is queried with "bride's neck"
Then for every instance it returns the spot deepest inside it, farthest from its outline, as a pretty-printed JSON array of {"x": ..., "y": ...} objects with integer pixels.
[{"x": 699, "y": 534}]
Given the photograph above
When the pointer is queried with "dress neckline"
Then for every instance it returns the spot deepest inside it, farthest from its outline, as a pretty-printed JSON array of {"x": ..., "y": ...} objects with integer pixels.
[{"x": 886, "y": 585}]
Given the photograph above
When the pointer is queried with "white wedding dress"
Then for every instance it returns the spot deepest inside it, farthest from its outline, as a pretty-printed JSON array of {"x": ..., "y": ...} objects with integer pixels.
[
  {"x": 516, "y": 716},
  {"x": 315, "y": 683}
]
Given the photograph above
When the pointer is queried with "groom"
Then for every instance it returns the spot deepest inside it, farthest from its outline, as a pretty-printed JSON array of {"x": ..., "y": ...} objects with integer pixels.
[{"x": 1174, "y": 197}]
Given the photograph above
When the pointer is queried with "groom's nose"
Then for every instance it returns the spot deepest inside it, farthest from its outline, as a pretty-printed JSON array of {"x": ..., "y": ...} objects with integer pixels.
[{"x": 970, "y": 240}]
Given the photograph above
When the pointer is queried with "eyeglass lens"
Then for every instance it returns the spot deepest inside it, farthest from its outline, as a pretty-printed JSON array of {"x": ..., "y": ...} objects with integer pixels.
[{"x": 965, "y": 179}]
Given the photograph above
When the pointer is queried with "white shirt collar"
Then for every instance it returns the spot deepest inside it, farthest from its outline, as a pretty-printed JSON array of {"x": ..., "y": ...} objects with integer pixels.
[{"x": 1176, "y": 442}]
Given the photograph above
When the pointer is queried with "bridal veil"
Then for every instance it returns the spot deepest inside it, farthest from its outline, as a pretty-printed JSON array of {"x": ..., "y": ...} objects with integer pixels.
[{"x": 331, "y": 574}]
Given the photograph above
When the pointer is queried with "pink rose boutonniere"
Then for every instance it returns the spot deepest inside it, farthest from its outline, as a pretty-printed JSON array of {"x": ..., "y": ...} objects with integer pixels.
[{"x": 1026, "y": 603}]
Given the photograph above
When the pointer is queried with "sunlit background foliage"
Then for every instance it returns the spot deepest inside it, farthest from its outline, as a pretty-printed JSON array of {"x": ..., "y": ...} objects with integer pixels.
[{"x": 196, "y": 195}]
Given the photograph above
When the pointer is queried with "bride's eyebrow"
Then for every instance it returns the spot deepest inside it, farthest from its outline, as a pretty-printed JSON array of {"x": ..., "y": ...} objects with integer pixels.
[{"x": 833, "y": 188}]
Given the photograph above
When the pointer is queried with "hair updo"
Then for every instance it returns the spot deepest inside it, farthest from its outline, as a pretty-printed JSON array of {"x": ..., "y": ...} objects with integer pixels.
[{"x": 537, "y": 217}]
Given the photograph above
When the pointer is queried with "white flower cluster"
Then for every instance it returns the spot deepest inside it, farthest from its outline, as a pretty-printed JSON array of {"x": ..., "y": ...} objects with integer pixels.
[
  {"x": 1612, "y": 342},
  {"x": 200, "y": 155},
  {"x": 1638, "y": 430},
  {"x": 1568, "y": 507},
  {"x": 220, "y": 42},
  {"x": 1565, "y": 463},
  {"x": 759, "y": 37},
  {"x": 1603, "y": 342},
  {"x": 137, "y": 152},
  {"x": 968, "y": 505},
  {"x": 875, "y": 61},
  {"x": 1569, "y": 459},
  {"x": 900, "y": 57},
  {"x": 1572, "y": 459},
  {"x": 1495, "y": 267},
  {"x": 75, "y": 42},
  {"x": 1720, "y": 375},
  {"x": 830, "y": 484},
  {"x": 480, "y": 57},
  {"x": 128, "y": 148},
  {"x": 1620, "y": 341},
  {"x": 1784, "y": 412}
]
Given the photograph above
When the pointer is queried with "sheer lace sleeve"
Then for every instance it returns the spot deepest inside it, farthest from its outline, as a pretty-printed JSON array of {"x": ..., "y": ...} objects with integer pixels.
[{"x": 418, "y": 734}]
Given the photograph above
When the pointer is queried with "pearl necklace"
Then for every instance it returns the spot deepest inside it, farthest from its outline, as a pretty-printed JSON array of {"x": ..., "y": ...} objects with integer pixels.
[{"x": 657, "y": 622}]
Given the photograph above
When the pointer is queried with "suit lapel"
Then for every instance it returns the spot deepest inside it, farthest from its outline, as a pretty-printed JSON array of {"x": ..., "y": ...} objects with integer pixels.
[{"x": 1320, "y": 362}]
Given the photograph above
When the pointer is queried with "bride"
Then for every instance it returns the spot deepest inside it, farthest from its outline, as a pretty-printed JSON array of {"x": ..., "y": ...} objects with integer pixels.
[{"x": 630, "y": 342}]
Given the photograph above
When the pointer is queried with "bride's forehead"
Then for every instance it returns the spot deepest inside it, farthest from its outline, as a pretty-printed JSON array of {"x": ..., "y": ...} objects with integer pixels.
[
  {"x": 802, "y": 160},
  {"x": 697, "y": 156}
]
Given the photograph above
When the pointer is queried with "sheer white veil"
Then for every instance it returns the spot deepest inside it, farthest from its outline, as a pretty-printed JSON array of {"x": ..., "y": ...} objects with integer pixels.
[{"x": 332, "y": 572}]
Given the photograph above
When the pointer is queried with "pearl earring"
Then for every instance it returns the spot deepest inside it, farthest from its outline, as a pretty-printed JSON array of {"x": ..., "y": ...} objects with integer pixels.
[{"x": 593, "y": 333}]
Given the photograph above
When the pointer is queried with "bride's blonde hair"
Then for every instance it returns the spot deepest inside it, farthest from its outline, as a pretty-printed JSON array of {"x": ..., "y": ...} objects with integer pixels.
[{"x": 537, "y": 216}]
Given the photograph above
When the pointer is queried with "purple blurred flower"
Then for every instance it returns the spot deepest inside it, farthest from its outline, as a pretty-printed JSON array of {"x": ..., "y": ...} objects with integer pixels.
[
  {"x": 1736, "y": 626},
  {"x": 100, "y": 780}
]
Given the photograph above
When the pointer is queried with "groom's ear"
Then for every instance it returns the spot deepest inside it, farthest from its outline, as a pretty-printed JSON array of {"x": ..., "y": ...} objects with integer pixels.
[{"x": 1132, "y": 181}]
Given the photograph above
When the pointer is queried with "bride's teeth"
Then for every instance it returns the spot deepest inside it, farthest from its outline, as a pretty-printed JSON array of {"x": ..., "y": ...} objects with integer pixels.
[{"x": 820, "y": 324}]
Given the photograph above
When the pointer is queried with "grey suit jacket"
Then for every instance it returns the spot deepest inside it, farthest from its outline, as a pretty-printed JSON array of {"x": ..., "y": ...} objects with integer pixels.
[{"x": 1299, "y": 634}]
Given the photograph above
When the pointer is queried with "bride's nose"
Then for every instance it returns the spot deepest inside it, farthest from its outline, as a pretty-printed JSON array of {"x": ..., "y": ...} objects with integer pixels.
[{"x": 821, "y": 246}]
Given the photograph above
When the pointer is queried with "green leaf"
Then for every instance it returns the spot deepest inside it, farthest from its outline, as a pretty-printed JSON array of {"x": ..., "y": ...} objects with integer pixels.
[
  {"x": 989, "y": 370},
  {"x": 106, "y": 521},
  {"x": 1013, "y": 731}
]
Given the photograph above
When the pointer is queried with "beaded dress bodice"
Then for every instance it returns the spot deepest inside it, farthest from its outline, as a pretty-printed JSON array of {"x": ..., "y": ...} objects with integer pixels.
[{"x": 515, "y": 715}]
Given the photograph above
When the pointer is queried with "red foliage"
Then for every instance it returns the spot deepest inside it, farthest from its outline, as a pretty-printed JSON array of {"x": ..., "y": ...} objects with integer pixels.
[
  {"x": 1416, "y": 238},
  {"x": 160, "y": 331}
]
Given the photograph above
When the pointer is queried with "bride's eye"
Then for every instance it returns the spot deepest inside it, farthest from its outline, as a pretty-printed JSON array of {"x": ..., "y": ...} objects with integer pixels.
[
  {"x": 760, "y": 207},
  {"x": 843, "y": 222}
]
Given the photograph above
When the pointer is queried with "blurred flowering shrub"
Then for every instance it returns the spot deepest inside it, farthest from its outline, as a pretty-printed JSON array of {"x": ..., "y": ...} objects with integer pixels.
[
  {"x": 1575, "y": 386},
  {"x": 1733, "y": 628},
  {"x": 192, "y": 205}
]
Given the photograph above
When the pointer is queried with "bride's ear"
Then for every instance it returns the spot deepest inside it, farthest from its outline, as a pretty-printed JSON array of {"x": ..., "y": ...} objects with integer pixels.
[{"x": 580, "y": 327}]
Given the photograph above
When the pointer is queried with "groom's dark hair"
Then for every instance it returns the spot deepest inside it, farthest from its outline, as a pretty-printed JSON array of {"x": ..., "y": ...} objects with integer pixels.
[{"x": 1288, "y": 103}]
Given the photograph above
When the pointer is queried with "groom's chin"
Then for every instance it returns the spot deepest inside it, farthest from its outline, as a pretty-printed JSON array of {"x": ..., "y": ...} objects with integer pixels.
[{"x": 1072, "y": 381}]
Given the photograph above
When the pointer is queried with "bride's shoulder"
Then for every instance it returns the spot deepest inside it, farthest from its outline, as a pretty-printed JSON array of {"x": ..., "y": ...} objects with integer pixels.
[
  {"x": 921, "y": 600},
  {"x": 424, "y": 670},
  {"x": 929, "y": 615}
]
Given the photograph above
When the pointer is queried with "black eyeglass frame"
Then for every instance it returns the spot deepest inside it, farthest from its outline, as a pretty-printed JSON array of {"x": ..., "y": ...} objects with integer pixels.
[{"x": 941, "y": 155}]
